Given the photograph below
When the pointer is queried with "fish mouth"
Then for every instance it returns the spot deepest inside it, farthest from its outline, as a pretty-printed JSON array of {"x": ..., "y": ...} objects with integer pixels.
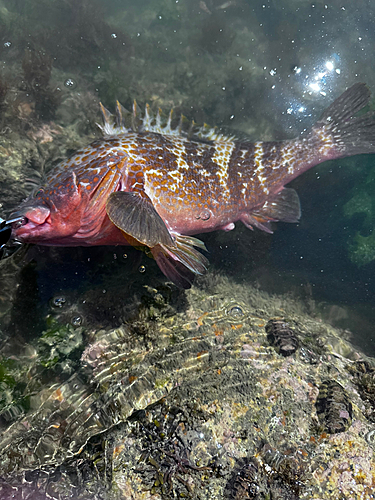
[
  {"x": 29, "y": 230},
  {"x": 29, "y": 222}
]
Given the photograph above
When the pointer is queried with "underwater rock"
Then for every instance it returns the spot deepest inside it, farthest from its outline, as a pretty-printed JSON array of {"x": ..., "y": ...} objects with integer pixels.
[
  {"x": 194, "y": 404},
  {"x": 4, "y": 87},
  {"x": 37, "y": 68}
]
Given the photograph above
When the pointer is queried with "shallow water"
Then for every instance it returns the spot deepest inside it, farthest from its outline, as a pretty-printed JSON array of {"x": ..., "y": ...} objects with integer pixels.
[{"x": 264, "y": 69}]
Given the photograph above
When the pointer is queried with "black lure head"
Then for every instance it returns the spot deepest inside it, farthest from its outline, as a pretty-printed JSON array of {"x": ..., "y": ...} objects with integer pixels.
[{"x": 7, "y": 246}]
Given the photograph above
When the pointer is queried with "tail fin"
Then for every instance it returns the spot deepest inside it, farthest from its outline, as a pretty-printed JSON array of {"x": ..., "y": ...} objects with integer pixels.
[{"x": 350, "y": 134}]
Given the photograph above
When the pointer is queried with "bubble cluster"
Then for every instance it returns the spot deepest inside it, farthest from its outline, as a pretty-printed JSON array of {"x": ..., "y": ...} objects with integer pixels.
[{"x": 58, "y": 301}]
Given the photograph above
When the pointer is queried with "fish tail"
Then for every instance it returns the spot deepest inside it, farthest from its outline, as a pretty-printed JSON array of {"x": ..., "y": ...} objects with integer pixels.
[{"x": 339, "y": 132}]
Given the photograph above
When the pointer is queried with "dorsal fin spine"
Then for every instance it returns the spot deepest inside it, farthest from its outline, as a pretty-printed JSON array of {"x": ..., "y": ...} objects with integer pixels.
[{"x": 149, "y": 122}]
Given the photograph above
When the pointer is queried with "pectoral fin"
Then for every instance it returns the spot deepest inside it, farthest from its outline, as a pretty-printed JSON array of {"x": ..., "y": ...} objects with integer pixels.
[
  {"x": 177, "y": 257},
  {"x": 135, "y": 214}
]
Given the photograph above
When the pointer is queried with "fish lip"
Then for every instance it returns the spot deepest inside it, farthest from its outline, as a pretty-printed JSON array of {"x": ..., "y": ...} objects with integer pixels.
[
  {"x": 27, "y": 231},
  {"x": 37, "y": 215}
]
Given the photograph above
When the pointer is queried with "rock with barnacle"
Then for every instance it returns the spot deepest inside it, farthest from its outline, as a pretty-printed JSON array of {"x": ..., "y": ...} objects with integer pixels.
[
  {"x": 280, "y": 335},
  {"x": 333, "y": 407}
]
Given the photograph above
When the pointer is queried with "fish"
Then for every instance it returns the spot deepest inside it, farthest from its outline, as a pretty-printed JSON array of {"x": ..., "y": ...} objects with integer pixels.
[{"x": 155, "y": 184}]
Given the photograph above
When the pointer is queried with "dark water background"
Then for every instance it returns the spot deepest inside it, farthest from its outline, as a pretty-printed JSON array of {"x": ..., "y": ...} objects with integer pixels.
[{"x": 264, "y": 68}]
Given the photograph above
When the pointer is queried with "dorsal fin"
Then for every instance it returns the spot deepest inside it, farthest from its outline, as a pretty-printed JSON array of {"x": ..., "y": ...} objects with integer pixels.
[{"x": 125, "y": 121}]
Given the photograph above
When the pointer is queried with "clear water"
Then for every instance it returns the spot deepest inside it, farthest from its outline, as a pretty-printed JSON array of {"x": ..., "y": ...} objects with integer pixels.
[{"x": 266, "y": 69}]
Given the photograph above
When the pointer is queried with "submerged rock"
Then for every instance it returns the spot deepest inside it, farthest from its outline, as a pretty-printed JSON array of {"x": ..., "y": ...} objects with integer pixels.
[{"x": 196, "y": 404}]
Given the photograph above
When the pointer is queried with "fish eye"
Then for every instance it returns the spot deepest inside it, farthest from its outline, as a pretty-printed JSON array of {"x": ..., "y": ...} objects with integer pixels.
[{"x": 20, "y": 222}]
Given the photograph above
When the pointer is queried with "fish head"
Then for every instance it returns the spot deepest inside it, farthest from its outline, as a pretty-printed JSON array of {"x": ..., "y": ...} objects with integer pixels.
[{"x": 50, "y": 216}]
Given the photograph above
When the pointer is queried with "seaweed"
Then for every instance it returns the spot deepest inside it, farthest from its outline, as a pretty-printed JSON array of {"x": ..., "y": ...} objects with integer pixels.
[
  {"x": 37, "y": 69},
  {"x": 165, "y": 464}
]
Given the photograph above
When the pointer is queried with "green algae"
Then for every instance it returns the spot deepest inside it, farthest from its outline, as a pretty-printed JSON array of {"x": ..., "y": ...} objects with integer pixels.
[
  {"x": 60, "y": 344},
  {"x": 361, "y": 208}
]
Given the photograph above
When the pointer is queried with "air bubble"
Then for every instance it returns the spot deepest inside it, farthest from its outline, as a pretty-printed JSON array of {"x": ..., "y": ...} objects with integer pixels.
[
  {"x": 236, "y": 311},
  {"x": 125, "y": 256},
  {"x": 70, "y": 83},
  {"x": 142, "y": 269},
  {"x": 58, "y": 301},
  {"x": 76, "y": 321}
]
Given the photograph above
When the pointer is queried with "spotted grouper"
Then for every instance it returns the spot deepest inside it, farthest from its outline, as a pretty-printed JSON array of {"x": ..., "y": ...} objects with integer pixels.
[{"x": 154, "y": 185}]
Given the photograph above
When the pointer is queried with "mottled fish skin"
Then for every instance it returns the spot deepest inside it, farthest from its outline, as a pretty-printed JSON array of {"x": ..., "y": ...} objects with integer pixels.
[
  {"x": 195, "y": 186},
  {"x": 184, "y": 184}
]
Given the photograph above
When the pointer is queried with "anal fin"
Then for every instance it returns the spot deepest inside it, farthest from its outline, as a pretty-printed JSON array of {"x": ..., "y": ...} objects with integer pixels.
[{"x": 284, "y": 206}]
